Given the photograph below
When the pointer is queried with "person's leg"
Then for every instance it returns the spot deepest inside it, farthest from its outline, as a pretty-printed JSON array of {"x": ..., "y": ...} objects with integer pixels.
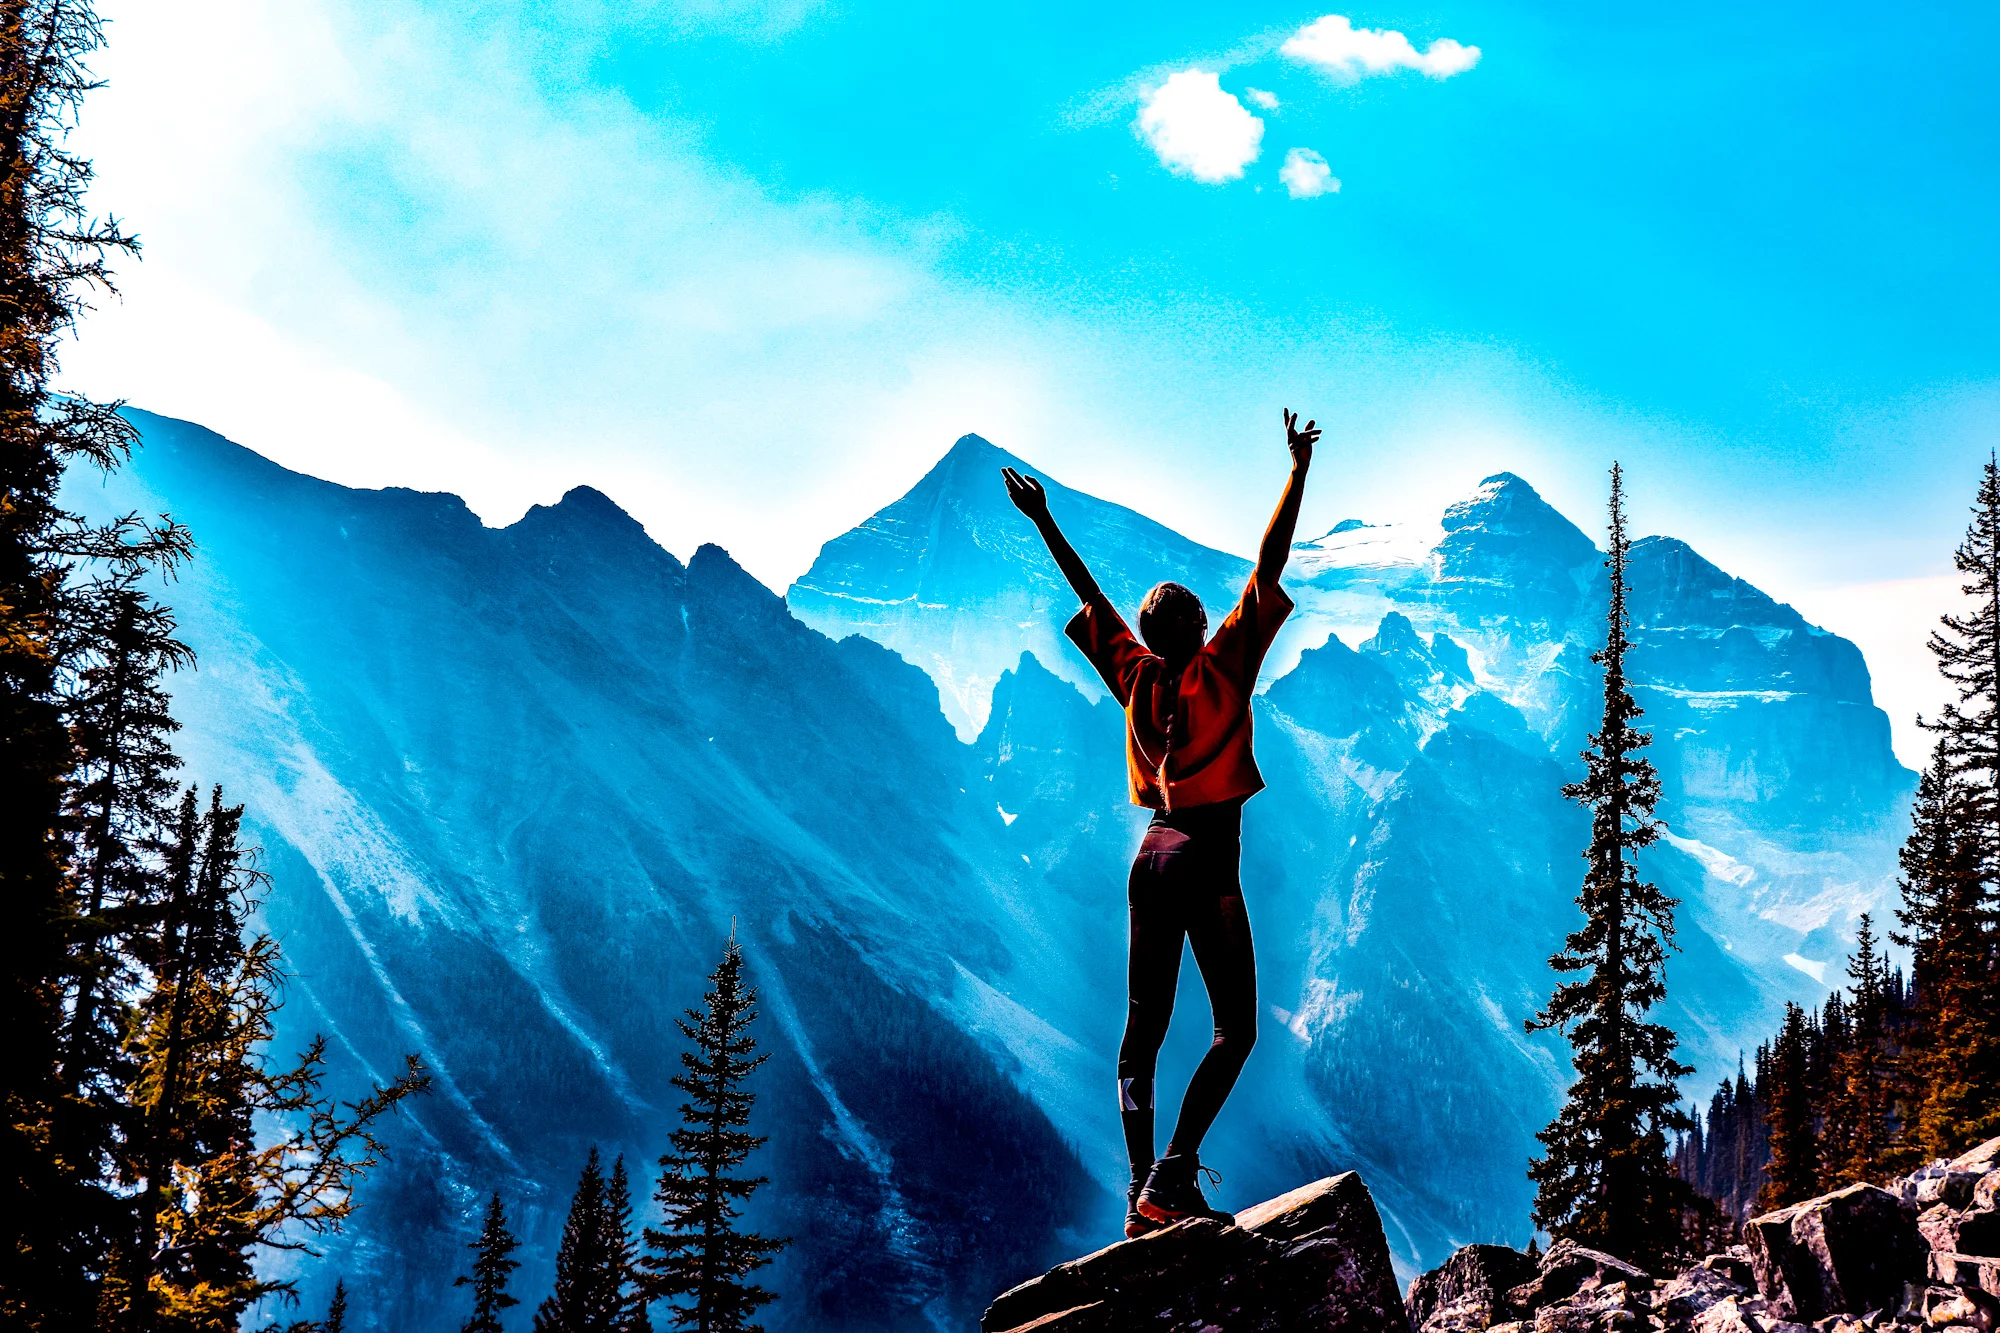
[
  {"x": 1153, "y": 969},
  {"x": 1219, "y": 929}
]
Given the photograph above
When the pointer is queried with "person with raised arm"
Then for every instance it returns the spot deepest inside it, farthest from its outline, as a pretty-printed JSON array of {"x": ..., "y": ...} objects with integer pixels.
[{"x": 1188, "y": 756}]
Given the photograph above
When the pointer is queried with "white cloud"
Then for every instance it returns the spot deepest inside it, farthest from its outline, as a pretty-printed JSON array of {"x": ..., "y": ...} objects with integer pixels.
[
  {"x": 1307, "y": 176},
  {"x": 1199, "y": 130},
  {"x": 1350, "y": 54},
  {"x": 1269, "y": 101}
]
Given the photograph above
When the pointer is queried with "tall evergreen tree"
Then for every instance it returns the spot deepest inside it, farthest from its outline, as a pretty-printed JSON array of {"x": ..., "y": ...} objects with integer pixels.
[
  {"x": 700, "y": 1260},
  {"x": 1951, "y": 912},
  {"x": 1857, "y": 1131},
  {"x": 1949, "y": 1073},
  {"x": 54, "y": 1224},
  {"x": 209, "y": 1193},
  {"x": 1607, "y": 1180},
  {"x": 624, "y": 1283},
  {"x": 578, "y": 1303},
  {"x": 1967, "y": 649},
  {"x": 493, "y": 1262},
  {"x": 1793, "y": 1171},
  {"x": 336, "y": 1309},
  {"x": 119, "y": 807}
]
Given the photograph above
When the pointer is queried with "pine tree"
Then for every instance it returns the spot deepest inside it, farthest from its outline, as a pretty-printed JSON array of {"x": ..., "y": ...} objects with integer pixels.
[
  {"x": 53, "y": 256},
  {"x": 208, "y": 1193},
  {"x": 700, "y": 1259},
  {"x": 1967, "y": 649},
  {"x": 1857, "y": 1135},
  {"x": 1793, "y": 1171},
  {"x": 1607, "y": 1181},
  {"x": 1951, "y": 912},
  {"x": 492, "y": 1264},
  {"x": 578, "y": 1305},
  {"x": 624, "y": 1284},
  {"x": 336, "y": 1310},
  {"x": 1949, "y": 1075}
]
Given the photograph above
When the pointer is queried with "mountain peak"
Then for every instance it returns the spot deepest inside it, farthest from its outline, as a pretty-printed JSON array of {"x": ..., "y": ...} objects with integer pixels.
[{"x": 973, "y": 461}]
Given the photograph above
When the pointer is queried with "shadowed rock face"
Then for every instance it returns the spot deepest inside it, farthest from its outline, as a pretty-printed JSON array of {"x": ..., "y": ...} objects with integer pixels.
[
  {"x": 1851, "y": 1250},
  {"x": 1311, "y": 1259}
]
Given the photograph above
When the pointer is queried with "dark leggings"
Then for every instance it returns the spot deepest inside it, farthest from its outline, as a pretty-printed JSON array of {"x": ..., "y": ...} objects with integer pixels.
[{"x": 1185, "y": 885}]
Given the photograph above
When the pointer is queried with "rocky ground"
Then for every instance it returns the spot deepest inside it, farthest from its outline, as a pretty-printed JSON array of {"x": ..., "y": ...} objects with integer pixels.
[{"x": 1921, "y": 1254}]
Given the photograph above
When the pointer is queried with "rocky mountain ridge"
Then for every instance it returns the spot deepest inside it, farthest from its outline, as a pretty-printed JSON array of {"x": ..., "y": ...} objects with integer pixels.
[
  {"x": 513, "y": 786},
  {"x": 1917, "y": 1255}
]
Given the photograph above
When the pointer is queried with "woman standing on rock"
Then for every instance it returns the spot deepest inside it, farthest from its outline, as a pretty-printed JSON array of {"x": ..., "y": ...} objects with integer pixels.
[{"x": 1187, "y": 747}]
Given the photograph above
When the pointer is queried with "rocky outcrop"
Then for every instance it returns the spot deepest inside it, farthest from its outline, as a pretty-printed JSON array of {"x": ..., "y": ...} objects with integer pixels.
[
  {"x": 1851, "y": 1250},
  {"x": 1311, "y": 1260},
  {"x": 1916, "y": 1256},
  {"x": 1470, "y": 1291}
]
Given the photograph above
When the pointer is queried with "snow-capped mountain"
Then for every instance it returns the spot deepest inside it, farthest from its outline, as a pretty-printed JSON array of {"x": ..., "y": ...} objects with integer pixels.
[{"x": 515, "y": 785}]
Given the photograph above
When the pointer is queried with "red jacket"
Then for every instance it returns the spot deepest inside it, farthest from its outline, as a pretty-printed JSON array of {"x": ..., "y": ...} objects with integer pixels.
[{"x": 1190, "y": 745}]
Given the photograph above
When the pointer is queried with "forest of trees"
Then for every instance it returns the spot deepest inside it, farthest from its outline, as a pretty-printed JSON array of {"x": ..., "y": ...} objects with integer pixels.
[
  {"x": 152, "y": 1142},
  {"x": 1894, "y": 1070}
]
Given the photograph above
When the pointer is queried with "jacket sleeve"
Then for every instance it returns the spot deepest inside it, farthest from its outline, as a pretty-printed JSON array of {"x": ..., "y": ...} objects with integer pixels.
[
  {"x": 1238, "y": 648},
  {"x": 1103, "y": 636}
]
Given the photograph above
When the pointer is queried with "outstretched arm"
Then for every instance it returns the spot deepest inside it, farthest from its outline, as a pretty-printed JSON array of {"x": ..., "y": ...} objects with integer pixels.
[
  {"x": 1277, "y": 547},
  {"x": 1029, "y": 497}
]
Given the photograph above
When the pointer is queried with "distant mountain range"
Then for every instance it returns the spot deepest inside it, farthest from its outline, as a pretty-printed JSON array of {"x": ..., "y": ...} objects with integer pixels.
[{"x": 515, "y": 785}]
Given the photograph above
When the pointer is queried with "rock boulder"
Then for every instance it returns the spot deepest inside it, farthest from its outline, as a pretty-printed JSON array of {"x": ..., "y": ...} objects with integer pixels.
[
  {"x": 1568, "y": 1269},
  {"x": 1310, "y": 1261},
  {"x": 1848, "y": 1251},
  {"x": 1469, "y": 1290}
]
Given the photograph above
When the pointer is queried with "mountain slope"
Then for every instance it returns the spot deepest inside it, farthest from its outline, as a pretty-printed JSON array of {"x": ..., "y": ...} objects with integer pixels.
[
  {"x": 951, "y": 577},
  {"x": 516, "y": 785}
]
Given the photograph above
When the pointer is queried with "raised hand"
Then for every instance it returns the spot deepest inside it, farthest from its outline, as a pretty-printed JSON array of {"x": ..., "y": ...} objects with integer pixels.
[
  {"x": 1026, "y": 493},
  {"x": 1300, "y": 442}
]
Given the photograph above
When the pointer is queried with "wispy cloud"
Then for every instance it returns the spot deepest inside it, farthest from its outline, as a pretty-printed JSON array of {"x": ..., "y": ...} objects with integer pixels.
[
  {"x": 1307, "y": 176},
  {"x": 1196, "y": 129},
  {"x": 1350, "y": 54},
  {"x": 1258, "y": 97}
]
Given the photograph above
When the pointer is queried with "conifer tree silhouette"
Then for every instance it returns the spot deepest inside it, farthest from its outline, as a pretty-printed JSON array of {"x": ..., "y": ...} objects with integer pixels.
[
  {"x": 1856, "y": 1135},
  {"x": 493, "y": 1262},
  {"x": 336, "y": 1309},
  {"x": 1607, "y": 1181},
  {"x": 57, "y": 1214},
  {"x": 1792, "y": 1174},
  {"x": 208, "y": 1190},
  {"x": 625, "y": 1295},
  {"x": 1951, "y": 912},
  {"x": 700, "y": 1260},
  {"x": 578, "y": 1305}
]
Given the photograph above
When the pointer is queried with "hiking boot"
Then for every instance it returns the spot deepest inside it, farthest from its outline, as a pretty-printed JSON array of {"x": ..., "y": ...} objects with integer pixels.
[
  {"x": 1173, "y": 1191},
  {"x": 1137, "y": 1223}
]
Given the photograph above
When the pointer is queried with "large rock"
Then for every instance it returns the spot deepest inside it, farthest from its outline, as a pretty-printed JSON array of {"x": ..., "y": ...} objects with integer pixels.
[
  {"x": 1845, "y": 1252},
  {"x": 1986, "y": 1157},
  {"x": 1310, "y": 1261},
  {"x": 1701, "y": 1287},
  {"x": 1569, "y": 1269},
  {"x": 1469, "y": 1290},
  {"x": 1951, "y": 1231},
  {"x": 1977, "y": 1271}
]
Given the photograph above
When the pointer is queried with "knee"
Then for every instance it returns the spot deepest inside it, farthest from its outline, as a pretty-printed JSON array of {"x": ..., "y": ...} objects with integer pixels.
[{"x": 1237, "y": 1036}]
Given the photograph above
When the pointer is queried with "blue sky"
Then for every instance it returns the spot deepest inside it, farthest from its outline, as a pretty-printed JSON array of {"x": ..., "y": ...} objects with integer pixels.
[{"x": 750, "y": 268}]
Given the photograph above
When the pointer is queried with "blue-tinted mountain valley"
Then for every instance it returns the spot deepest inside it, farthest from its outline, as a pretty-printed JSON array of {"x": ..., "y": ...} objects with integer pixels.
[{"x": 514, "y": 787}]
